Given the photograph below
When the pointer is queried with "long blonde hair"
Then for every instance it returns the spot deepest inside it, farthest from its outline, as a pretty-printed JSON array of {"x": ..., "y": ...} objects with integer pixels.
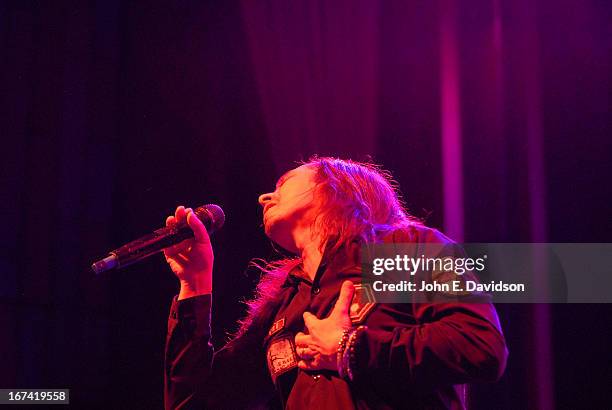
[{"x": 359, "y": 202}]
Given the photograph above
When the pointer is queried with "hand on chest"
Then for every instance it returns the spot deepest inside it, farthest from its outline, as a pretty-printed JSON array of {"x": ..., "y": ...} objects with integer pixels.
[{"x": 310, "y": 321}]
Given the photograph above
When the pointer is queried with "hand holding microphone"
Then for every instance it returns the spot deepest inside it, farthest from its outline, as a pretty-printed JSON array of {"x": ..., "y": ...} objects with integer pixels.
[
  {"x": 192, "y": 259},
  {"x": 186, "y": 245}
]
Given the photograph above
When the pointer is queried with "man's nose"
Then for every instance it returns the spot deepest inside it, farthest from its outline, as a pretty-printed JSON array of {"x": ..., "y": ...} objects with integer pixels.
[{"x": 265, "y": 198}]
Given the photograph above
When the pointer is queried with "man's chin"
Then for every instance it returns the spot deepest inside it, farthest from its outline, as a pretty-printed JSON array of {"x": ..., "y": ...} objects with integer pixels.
[
  {"x": 270, "y": 230},
  {"x": 279, "y": 236}
]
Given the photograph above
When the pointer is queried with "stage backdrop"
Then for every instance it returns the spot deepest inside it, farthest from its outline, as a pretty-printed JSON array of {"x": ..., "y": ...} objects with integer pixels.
[{"x": 494, "y": 116}]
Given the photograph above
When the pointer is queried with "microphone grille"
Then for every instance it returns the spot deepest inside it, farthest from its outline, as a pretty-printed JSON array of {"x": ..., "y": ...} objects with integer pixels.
[{"x": 217, "y": 217}]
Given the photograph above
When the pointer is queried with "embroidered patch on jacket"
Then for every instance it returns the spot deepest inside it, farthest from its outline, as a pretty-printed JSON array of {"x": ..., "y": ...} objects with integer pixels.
[
  {"x": 281, "y": 356},
  {"x": 362, "y": 304},
  {"x": 277, "y": 326}
]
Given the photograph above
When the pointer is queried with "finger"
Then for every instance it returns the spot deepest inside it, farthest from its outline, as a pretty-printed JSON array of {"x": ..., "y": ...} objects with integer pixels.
[
  {"x": 179, "y": 214},
  {"x": 302, "y": 339},
  {"x": 306, "y": 353},
  {"x": 309, "y": 365},
  {"x": 177, "y": 262},
  {"x": 310, "y": 320},
  {"x": 199, "y": 231},
  {"x": 302, "y": 364},
  {"x": 344, "y": 300},
  {"x": 178, "y": 258},
  {"x": 173, "y": 250}
]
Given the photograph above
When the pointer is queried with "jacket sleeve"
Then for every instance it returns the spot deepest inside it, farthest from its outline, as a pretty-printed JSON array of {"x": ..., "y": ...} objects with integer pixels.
[
  {"x": 450, "y": 344},
  {"x": 438, "y": 341},
  {"x": 198, "y": 378},
  {"x": 188, "y": 353}
]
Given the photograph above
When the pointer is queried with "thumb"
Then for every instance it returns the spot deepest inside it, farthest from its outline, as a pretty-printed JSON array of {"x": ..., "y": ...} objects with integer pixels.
[
  {"x": 344, "y": 300},
  {"x": 199, "y": 231},
  {"x": 309, "y": 320}
]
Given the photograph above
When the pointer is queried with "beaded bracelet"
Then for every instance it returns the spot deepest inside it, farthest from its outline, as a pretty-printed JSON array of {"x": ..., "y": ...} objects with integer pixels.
[
  {"x": 340, "y": 352},
  {"x": 349, "y": 360}
]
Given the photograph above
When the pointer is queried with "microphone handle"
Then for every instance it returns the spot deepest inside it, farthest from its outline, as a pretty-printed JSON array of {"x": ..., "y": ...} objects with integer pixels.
[{"x": 150, "y": 244}]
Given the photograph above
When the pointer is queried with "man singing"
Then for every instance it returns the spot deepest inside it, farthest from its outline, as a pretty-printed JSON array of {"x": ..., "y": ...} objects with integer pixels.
[{"x": 306, "y": 342}]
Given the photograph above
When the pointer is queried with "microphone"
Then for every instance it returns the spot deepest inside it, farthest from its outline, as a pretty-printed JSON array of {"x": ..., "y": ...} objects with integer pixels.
[{"x": 211, "y": 215}]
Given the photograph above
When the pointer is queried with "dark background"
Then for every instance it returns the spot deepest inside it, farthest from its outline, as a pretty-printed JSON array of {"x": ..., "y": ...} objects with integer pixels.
[{"x": 114, "y": 113}]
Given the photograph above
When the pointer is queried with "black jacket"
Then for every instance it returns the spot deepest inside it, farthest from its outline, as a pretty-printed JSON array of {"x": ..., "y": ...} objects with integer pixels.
[{"x": 412, "y": 356}]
